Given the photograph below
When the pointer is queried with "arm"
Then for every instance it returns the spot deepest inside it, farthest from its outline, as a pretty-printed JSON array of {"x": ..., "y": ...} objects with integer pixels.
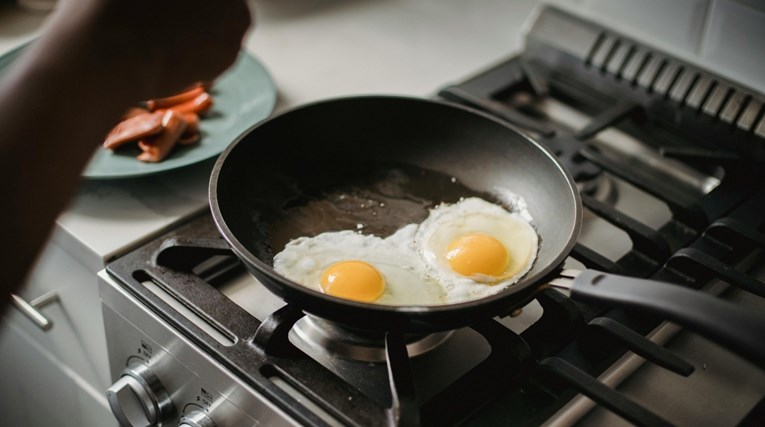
[{"x": 96, "y": 58}]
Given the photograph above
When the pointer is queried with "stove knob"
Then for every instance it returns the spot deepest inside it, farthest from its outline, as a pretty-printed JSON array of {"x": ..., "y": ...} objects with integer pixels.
[
  {"x": 196, "y": 419},
  {"x": 138, "y": 398}
]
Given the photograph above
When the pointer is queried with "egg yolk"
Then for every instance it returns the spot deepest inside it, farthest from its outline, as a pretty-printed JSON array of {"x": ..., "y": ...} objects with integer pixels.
[
  {"x": 478, "y": 254},
  {"x": 353, "y": 280}
]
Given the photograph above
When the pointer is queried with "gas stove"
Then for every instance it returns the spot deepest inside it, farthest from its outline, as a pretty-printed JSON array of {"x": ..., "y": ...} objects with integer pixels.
[{"x": 667, "y": 157}]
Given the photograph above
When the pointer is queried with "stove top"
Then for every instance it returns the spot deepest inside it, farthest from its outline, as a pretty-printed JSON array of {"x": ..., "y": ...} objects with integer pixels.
[{"x": 668, "y": 161}]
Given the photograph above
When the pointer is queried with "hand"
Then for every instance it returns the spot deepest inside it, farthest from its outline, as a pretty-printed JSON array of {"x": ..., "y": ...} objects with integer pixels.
[{"x": 157, "y": 47}]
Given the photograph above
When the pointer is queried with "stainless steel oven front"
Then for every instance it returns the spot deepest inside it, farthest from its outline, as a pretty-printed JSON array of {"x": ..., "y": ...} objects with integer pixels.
[{"x": 162, "y": 379}]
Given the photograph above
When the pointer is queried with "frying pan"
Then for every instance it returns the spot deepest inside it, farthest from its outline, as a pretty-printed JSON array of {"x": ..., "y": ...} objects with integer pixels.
[{"x": 292, "y": 161}]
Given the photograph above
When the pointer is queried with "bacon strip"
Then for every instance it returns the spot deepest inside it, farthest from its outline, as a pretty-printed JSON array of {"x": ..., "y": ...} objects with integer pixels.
[
  {"x": 156, "y": 104},
  {"x": 134, "y": 111},
  {"x": 163, "y": 123},
  {"x": 199, "y": 105},
  {"x": 136, "y": 127},
  {"x": 192, "y": 123},
  {"x": 158, "y": 147},
  {"x": 189, "y": 139}
]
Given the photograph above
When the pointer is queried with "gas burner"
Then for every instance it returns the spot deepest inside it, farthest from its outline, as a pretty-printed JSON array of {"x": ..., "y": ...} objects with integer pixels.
[
  {"x": 316, "y": 336},
  {"x": 601, "y": 188}
]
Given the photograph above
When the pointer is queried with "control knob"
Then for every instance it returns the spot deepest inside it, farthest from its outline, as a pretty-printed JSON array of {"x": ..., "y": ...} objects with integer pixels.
[
  {"x": 196, "y": 419},
  {"x": 138, "y": 398}
]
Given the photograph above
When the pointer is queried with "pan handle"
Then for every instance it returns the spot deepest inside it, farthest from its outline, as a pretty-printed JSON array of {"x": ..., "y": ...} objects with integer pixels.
[{"x": 738, "y": 328}]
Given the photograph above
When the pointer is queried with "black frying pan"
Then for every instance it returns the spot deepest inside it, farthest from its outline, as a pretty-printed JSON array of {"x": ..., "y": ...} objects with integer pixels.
[{"x": 271, "y": 184}]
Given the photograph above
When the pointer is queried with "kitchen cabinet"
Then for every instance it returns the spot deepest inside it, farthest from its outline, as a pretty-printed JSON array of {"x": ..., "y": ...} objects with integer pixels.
[
  {"x": 42, "y": 388},
  {"x": 60, "y": 373}
]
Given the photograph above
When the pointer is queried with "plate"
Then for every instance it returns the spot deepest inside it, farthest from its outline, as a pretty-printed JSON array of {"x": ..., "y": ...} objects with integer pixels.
[{"x": 243, "y": 96}]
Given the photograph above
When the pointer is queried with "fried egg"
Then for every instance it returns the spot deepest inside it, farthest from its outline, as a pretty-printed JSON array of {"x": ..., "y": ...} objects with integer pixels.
[
  {"x": 474, "y": 248},
  {"x": 359, "y": 267}
]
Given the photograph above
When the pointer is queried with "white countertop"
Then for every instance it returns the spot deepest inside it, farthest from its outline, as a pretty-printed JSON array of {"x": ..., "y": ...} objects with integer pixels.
[{"x": 313, "y": 49}]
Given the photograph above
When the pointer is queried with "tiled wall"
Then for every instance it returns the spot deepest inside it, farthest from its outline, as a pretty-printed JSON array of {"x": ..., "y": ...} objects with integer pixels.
[{"x": 725, "y": 36}]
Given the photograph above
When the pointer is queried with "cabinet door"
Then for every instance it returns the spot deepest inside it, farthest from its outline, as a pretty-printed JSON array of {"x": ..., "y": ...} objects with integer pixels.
[
  {"x": 11, "y": 397},
  {"x": 77, "y": 337},
  {"x": 39, "y": 390}
]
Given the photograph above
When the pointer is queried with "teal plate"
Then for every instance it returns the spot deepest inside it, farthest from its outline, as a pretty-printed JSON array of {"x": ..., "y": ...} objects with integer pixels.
[{"x": 243, "y": 96}]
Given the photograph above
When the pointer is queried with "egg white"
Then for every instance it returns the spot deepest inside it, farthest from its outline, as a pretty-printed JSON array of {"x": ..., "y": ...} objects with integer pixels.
[
  {"x": 304, "y": 259},
  {"x": 474, "y": 215}
]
